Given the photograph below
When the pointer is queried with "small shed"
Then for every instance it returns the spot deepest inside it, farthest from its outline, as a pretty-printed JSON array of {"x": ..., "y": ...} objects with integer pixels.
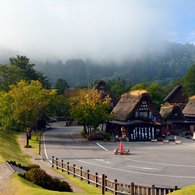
[{"x": 137, "y": 119}]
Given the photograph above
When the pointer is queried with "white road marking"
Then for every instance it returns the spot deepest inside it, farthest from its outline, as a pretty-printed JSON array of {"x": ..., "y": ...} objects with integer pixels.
[
  {"x": 45, "y": 147},
  {"x": 141, "y": 173},
  {"x": 174, "y": 165},
  {"x": 142, "y": 167},
  {"x": 101, "y": 146},
  {"x": 101, "y": 160}
]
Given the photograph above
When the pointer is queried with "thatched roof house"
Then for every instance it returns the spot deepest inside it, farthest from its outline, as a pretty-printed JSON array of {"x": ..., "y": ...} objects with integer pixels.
[
  {"x": 171, "y": 112},
  {"x": 190, "y": 107},
  {"x": 105, "y": 91},
  {"x": 137, "y": 119},
  {"x": 131, "y": 105}
]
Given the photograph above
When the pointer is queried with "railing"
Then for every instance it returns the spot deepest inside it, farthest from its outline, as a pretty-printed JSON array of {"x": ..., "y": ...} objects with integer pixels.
[{"x": 107, "y": 184}]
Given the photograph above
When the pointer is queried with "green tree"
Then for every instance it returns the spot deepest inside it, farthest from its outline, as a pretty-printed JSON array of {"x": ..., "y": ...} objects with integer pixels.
[
  {"x": 61, "y": 85},
  {"x": 9, "y": 75},
  {"x": 27, "y": 101},
  {"x": 157, "y": 94},
  {"x": 189, "y": 80},
  {"x": 29, "y": 72},
  {"x": 91, "y": 110},
  {"x": 118, "y": 87}
]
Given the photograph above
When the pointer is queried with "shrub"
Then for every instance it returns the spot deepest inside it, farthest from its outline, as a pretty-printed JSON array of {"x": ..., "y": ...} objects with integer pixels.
[
  {"x": 41, "y": 178},
  {"x": 61, "y": 186},
  {"x": 30, "y": 166},
  {"x": 90, "y": 137},
  {"x": 99, "y": 137},
  {"x": 106, "y": 136}
]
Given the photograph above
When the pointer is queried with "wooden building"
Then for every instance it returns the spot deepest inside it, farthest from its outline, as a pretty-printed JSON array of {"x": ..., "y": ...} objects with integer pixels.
[
  {"x": 177, "y": 96},
  {"x": 137, "y": 119},
  {"x": 105, "y": 91},
  {"x": 173, "y": 119},
  {"x": 189, "y": 113}
]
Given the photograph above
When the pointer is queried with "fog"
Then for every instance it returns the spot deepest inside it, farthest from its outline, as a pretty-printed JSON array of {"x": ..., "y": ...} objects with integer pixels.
[{"x": 95, "y": 29}]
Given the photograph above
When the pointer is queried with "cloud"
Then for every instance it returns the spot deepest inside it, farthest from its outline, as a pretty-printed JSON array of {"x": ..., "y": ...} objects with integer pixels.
[{"x": 82, "y": 29}]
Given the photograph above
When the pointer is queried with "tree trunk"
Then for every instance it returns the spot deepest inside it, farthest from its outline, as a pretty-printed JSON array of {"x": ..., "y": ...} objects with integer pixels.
[
  {"x": 85, "y": 128},
  {"x": 27, "y": 139}
]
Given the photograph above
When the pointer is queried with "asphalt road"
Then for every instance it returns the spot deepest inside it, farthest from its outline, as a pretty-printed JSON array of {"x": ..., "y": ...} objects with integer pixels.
[{"x": 164, "y": 165}]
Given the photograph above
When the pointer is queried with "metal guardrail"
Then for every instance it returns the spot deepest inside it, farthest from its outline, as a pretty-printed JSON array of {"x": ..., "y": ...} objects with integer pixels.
[{"x": 107, "y": 184}]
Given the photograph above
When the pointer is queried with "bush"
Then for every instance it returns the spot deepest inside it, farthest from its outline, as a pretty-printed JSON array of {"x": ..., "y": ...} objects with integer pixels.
[
  {"x": 99, "y": 137},
  {"x": 41, "y": 178},
  {"x": 106, "y": 136},
  {"x": 61, "y": 186},
  {"x": 30, "y": 166},
  {"x": 90, "y": 137}
]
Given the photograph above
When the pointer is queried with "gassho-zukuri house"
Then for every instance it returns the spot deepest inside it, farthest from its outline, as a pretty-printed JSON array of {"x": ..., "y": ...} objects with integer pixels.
[{"x": 137, "y": 119}]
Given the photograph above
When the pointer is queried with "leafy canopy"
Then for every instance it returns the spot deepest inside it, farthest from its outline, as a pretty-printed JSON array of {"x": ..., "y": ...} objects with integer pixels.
[{"x": 91, "y": 109}]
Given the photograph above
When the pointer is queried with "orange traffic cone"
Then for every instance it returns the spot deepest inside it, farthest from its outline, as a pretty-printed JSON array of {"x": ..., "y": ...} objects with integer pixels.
[{"x": 121, "y": 148}]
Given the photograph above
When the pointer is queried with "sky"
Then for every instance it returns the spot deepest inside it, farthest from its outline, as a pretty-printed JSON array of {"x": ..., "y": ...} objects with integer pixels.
[{"x": 95, "y": 29}]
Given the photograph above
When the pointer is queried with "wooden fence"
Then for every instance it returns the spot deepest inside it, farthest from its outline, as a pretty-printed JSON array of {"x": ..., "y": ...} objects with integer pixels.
[{"x": 107, "y": 184}]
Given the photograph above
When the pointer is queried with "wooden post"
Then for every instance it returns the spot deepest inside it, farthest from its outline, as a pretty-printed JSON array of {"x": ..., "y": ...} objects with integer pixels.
[
  {"x": 132, "y": 188},
  {"x": 115, "y": 187},
  {"x": 73, "y": 170},
  {"x": 96, "y": 179},
  {"x": 88, "y": 176},
  {"x": 153, "y": 189},
  {"x": 52, "y": 161},
  {"x": 103, "y": 184},
  {"x": 56, "y": 163},
  {"x": 68, "y": 168},
  {"x": 81, "y": 173},
  {"x": 62, "y": 165}
]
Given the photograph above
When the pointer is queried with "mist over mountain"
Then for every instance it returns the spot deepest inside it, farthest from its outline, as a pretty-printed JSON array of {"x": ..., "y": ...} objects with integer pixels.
[{"x": 152, "y": 66}]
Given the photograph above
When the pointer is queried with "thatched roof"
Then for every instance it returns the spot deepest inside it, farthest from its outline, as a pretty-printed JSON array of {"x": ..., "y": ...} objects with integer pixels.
[
  {"x": 167, "y": 111},
  {"x": 128, "y": 103},
  {"x": 190, "y": 107}
]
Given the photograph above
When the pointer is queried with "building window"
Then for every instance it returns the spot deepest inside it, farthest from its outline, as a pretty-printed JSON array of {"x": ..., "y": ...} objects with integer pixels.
[
  {"x": 136, "y": 114},
  {"x": 101, "y": 91},
  {"x": 143, "y": 114}
]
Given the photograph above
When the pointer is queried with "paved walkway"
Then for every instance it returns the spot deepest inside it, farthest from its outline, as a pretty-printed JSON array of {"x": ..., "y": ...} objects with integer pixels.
[{"x": 38, "y": 160}]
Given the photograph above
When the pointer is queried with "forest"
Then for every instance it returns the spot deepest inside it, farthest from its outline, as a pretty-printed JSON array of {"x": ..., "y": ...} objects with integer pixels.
[{"x": 154, "y": 67}]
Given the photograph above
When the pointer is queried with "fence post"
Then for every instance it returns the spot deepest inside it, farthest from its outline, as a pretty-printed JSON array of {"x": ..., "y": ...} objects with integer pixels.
[
  {"x": 88, "y": 176},
  {"x": 115, "y": 187},
  {"x": 52, "y": 161},
  {"x": 62, "y": 165},
  {"x": 132, "y": 188},
  {"x": 73, "y": 170},
  {"x": 103, "y": 184},
  {"x": 96, "y": 179},
  {"x": 68, "y": 168},
  {"x": 56, "y": 163},
  {"x": 153, "y": 189},
  {"x": 81, "y": 173}
]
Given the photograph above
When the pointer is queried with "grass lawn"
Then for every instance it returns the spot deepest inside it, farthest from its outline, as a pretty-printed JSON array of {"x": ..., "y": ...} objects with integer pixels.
[
  {"x": 185, "y": 191},
  {"x": 11, "y": 151}
]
